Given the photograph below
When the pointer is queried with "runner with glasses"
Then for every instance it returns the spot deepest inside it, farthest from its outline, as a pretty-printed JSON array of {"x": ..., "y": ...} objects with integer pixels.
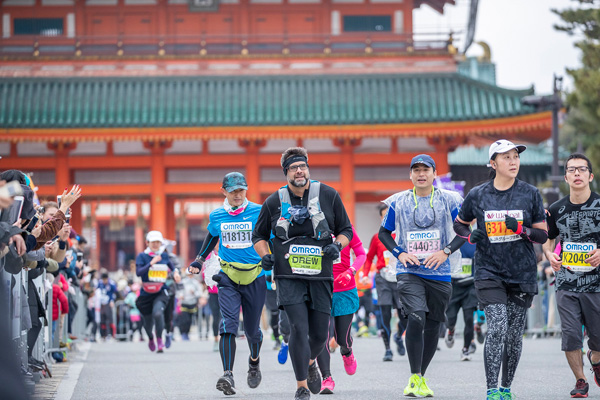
[
  {"x": 510, "y": 218},
  {"x": 422, "y": 219}
]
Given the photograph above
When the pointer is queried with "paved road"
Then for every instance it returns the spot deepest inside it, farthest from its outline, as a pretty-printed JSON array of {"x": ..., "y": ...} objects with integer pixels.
[{"x": 189, "y": 370}]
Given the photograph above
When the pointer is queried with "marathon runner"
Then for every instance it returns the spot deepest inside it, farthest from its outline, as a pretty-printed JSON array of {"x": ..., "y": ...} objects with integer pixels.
[
  {"x": 241, "y": 281},
  {"x": 510, "y": 218},
  {"x": 303, "y": 216},
  {"x": 575, "y": 219}
]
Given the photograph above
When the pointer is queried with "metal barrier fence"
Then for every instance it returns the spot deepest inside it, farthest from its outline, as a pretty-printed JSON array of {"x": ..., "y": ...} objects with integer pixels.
[
  {"x": 121, "y": 320},
  {"x": 542, "y": 317}
]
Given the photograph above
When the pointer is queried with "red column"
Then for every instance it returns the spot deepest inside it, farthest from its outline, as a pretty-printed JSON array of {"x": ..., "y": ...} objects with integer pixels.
[
  {"x": 252, "y": 168},
  {"x": 184, "y": 245},
  {"x": 77, "y": 216},
  {"x": 112, "y": 256},
  {"x": 348, "y": 192},
  {"x": 140, "y": 239},
  {"x": 95, "y": 245},
  {"x": 170, "y": 232},
  {"x": 158, "y": 199}
]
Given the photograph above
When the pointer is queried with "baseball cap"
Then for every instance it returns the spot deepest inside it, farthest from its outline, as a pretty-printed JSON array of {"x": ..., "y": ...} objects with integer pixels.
[
  {"x": 503, "y": 145},
  {"x": 154, "y": 236},
  {"x": 233, "y": 181},
  {"x": 422, "y": 159}
]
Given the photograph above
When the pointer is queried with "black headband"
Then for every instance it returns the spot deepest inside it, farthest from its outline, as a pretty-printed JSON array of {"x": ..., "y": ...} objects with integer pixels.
[{"x": 292, "y": 160}]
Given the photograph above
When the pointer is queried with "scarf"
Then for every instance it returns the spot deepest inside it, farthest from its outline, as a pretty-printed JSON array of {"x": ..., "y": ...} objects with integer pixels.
[{"x": 234, "y": 210}]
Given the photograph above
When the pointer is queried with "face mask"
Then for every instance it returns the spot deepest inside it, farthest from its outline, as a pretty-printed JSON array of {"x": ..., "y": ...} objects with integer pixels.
[{"x": 299, "y": 214}]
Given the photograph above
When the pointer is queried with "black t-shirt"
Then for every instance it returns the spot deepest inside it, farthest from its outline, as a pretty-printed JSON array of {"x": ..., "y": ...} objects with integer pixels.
[
  {"x": 578, "y": 226},
  {"x": 503, "y": 255},
  {"x": 331, "y": 205}
]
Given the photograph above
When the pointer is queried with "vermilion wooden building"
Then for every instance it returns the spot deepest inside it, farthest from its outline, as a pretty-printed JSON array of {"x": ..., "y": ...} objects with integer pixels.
[{"x": 148, "y": 103}]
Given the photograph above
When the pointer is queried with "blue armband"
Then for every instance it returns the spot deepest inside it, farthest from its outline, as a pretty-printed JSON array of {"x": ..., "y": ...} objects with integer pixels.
[{"x": 397, "y": 251}]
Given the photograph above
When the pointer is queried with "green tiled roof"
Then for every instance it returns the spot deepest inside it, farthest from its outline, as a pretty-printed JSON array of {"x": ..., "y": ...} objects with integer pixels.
[
  {"x": 539, "y": 154},
  {"x": 251, "y": 101}
]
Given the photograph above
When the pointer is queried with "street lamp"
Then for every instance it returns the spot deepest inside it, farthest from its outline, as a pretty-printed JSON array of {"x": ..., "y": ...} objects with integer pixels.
[{"x": 555, "y": 102}]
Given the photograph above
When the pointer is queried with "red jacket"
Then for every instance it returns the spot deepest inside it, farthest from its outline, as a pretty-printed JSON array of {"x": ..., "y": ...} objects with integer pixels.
[
  {"x": 376, "y": 248},
  {"x": 59, "y": 297}
]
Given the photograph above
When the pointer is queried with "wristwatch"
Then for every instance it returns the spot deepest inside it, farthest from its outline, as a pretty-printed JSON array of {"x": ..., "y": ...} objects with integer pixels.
[
  {"x": 339, "y": 245},
  {"x": 447, "y": 251}
]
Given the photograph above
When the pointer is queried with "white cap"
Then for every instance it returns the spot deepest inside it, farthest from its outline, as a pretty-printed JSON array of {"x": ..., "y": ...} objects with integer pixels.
[
  {"x": 154, "y": 236},
  {"x": 503, "y": 145}
]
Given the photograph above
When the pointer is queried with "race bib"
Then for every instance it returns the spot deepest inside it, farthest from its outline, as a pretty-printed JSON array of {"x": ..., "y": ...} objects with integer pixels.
[
  {"x": 496, "y": 227},
  {"x": 466, "y": 268},
  {"x": 423, "y": 243},
  {"x": 158, "y": 273},
  {"x": 304, "y": 259},
  {"x": 236, "y": 235},
  {"x": 574, "y": 255}
]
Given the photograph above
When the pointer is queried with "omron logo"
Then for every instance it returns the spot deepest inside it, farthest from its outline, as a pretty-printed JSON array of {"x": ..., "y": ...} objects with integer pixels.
[
  {"x": 236, "y": 226},
  {"x": 579, "y": 247},
  {"x": 428, "y": 235},
  {"x": 297, "y": 249}
]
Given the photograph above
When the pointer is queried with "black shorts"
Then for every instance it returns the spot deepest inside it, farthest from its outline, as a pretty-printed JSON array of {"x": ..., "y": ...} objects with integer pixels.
[
  {"x": 317, "y": 293},
  {"x": 145, "y": 302},
  {"x": 387, "y": 292},
  {"x": 577, "y": 309},
  {"x": 420, "y": 294},
  {"x": 271, "y": 300},
  {"x": 463, "y": 296},
  {"x": 491, "y": 291}
]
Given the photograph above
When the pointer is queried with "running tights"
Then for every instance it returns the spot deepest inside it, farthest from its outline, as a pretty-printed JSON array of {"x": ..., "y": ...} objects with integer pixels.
[
  {"x": 422, "y": 337},
  {"x": 157, "y": 319},
  {"x": 227, "y": 350},
  {"x": 343, "y": 337},
  {"x": 386, "y": 317},
  {"x": 504, "y": 342},
  {"x": 274, "y": 322},
  {"x": 215, "y": 310},
  {"x": 309, "y": 332},
  {"x": 469, "y": 332}
]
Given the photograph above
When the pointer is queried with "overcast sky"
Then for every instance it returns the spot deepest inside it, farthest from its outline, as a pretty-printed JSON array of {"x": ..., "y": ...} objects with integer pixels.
[{"x": 525, "y": 47}]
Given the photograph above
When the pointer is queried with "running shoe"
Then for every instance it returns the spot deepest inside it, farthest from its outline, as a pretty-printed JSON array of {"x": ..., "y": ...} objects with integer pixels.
[
  {"x": 581, "y": 389},
  {"x": 216, "y": 346},
  {"x": 399, "y": 344},
  {"x": 363, "y": 331},
  {"x": 254, "y": 375},
  {"x": 151, "y": 345},
  {"x": 160, "y": 345},
  {"x": 314, "y": 378},
  {"x": 168, "y": 340},
  {"x": 505, "y": 393},
  {"x": 333, "y": 345},
  {"x": 493, "y": 394},
  {"x": 349, "y": 363},
  {"x": 389, "y": 356},
  {"x": 282, "y": 356},
  {"x": 472, "y": 348},
  {"x": 327, "y": 386},
  {"x": 449, "y": 339},
  {"x": 465, "y": 356},
  {"x": 226, "y": 384},
  {"x": 424, "y": 390},
  {"x": 302, "y": 394},
  {"x": 479, "y": 332},
  {"x": 277, "y": 345},
  {"x": 595, "y": 368},
  {"x": 414, "y": 384},
  {"x": 185, "y": 337}
]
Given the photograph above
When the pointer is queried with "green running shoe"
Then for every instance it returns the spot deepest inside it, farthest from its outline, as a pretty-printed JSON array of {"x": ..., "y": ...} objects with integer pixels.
[
  {"x": 493, "y": 394},
  {"x": 424, "y": 390},
  {"x": 506, "y": 394},
  {"x": 413, "y": 387}
]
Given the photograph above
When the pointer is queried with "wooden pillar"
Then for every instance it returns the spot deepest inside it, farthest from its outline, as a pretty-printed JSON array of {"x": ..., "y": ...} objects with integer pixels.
[
  {"x": 348, "y": 192},
  {"x": 112, "y": 256},
  {"x": 158, "y": 198},
  {"x": 252, "y": 167},
  {"x": 77, "y": 216},
  {"x": 94, "y": 240},
  {"x": 184, "y": 246},
  {"x": 170, "y": 232},
  {"x": 62, "y": 172},
  {"x": 140, "y": 223}
]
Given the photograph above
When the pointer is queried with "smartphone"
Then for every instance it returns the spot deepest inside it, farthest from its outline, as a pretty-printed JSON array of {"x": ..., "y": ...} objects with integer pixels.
[
  {"x": 11, "y": 189},
  {"x": 32, "y": 223},
  {"x": 79, "y": 256},
  {"x": 14, "y": 212},
  {"x": 59, "y": 201}
]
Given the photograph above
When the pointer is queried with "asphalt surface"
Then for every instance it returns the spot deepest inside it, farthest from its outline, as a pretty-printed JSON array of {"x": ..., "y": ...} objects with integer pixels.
[{"x": 189, "y": 370}]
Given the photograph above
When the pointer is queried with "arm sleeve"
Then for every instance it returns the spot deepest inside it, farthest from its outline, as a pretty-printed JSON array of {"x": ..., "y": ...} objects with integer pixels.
[
  {"x": 456, "y": 243},
  {"x": 141, "y": 268},
  {"x": 461, "y": 230},
  {"x": 208, "y": 245},
  {"x": 359, "y": 252},
  {"x": 262, "y": 228},
  {"x": 342, "y": 223},
  {"x": 386, "y": 238}
]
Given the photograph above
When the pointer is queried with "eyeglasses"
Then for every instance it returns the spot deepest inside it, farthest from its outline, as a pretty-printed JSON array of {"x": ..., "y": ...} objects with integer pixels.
[
  {"x": 301, "y": 167},
  {"x": 571, "y": 170}
]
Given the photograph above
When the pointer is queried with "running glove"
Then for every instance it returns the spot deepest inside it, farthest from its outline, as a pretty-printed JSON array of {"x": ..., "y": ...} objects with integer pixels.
[
  {"x": 197, "y": 263},
  {"x": 344, "y": 278},
  {"x": 268, "y": 260},
  {"x": 477, "y": 236},
  {"x": 332, "y": 251},
  {"x": 512, "y": 224}
]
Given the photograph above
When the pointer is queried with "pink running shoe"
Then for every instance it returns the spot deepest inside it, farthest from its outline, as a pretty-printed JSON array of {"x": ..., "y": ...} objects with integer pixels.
[
  {"x": 349, "y": 363},
  {"x": 161, "y": 346},
  {"x": 151, "y": 345},
  {"x": 327, "y": 386}
]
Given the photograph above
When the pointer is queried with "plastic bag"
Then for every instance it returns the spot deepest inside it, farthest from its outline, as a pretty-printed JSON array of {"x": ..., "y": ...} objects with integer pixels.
[{"x": 211, "y": 267}]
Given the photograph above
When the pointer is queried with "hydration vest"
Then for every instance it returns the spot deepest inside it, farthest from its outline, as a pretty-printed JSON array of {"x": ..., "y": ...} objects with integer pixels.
[{"x": 320, "y": 226}]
